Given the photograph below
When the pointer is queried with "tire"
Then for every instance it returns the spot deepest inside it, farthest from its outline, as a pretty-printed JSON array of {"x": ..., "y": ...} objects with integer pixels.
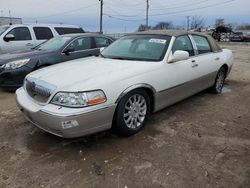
[
  {"x": 132, "y": 112},
  {"x": 219, "y": 81}
]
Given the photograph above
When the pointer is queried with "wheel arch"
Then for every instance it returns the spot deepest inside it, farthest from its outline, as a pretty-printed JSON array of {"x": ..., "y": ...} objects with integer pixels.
[{"x": 148, "y": 88}]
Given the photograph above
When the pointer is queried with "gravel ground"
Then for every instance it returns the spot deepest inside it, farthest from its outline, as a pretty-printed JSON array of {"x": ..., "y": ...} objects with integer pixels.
[{"x": 203, "y": 141}]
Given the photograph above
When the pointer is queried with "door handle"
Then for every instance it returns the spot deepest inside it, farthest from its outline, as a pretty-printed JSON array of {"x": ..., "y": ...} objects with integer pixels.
[
  {"x": 194, "y": 64},
  {"x": 29, "y": 44},
  {"x": 217, "y": 59}
]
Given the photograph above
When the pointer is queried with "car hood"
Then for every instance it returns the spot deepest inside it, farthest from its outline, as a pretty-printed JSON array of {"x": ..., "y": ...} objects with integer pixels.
[
  {"x": 90, "y": 73},
  {"x": 8, "y": 57}
]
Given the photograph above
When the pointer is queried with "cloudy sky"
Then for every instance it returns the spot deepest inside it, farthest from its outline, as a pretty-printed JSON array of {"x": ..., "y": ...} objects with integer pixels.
[{"x": 125, "y": 15}]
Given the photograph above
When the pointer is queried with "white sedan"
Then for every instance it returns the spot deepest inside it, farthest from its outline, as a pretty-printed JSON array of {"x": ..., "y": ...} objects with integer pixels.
[{"x": 137, "y": 75}]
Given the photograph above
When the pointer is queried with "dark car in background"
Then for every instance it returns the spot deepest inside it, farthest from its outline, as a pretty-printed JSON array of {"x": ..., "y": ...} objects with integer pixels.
[
  {"x": 237, "y": 37},
  {"x": 15, "y": 66}
]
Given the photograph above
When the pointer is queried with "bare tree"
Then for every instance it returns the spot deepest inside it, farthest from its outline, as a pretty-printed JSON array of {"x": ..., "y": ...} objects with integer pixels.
[
  {"x": 163, "y": 25},
  {"x": 197, "y": 22},
  {"x": 143, "y": 27},
  {"x": 219, "y": 22}
]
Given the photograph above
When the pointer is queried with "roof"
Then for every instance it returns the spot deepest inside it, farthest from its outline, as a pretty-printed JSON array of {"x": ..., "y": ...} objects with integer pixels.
[
  {"x": 169, "y": 32},
  {"x": 44, "y": 25},
  {"x": 84, "y": 34},
  {"x": 176, "y": 33}
]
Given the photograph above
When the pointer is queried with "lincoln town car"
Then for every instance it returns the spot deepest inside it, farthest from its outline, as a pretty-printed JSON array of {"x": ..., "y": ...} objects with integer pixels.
[{"x": 137, "y": 75}]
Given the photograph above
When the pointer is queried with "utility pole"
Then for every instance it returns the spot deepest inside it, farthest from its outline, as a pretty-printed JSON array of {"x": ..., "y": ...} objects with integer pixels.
[
  {"x": 1, "y": 13},
  {"x": 188, "y": 23},
  {"x": 10, "y": 17},
  {"x": 101, "y": 15},
  {"x": 147, "y": 13}
]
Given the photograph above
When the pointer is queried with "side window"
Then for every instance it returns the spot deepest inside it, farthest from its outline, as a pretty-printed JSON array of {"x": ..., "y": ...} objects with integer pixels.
[
  {"x": 42, "y": 33},
  {"x": 102, "y": 42},
  {"x": 183, "y": 43},
  {"x": 202, "y": 44},
  {"x": 68, "y": 30},
  {"x": 20, "y": 33},
  {"x": 83, "y": 43}
]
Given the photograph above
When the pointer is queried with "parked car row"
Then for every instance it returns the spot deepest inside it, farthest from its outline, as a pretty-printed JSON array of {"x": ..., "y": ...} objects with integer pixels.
[
  {"x": 136, "y": 75},
  {"x": 240, "y": 37},
  {"x": 16, "y": 65}
]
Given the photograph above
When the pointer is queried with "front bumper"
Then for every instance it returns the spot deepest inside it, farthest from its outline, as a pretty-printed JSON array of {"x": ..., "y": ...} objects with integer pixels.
[
  {"x": 13, "y": 79},
  {"x": 84, "y": 123}
]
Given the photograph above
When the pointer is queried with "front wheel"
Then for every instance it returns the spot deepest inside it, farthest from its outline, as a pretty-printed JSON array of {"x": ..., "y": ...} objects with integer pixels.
[
  {"x": 219, "y": 81},
  {"x": 132, "y": 112}
]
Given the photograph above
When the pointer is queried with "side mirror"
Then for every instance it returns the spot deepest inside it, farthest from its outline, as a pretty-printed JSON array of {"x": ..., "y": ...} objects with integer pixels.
[
  {"x": 68, "y": 50},
  {"x": 9, "y": 37},
  {"x": 178, "y": 55}
]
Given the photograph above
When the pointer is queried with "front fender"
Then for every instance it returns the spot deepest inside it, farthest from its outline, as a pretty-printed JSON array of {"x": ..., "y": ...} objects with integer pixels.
[{"x": 135, "y": 86}]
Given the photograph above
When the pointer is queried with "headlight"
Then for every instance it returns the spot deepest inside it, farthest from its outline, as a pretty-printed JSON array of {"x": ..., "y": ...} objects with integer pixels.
[
  {"x": 79, "y": 99},
  {"x": 15, "y": 64}
]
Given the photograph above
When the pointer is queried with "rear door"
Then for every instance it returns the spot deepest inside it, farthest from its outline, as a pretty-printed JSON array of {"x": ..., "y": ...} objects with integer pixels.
[
  {"x": 82, "y": 46},
  {"x": 42, "y": 34},
  {"x": 205, "y": 64},
  {"x": 22, "y": 40}
]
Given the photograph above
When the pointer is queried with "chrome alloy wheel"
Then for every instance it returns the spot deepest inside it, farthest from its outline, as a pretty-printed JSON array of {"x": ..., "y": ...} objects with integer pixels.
[
  {"x": 135, "y": 111},
  {"x": 220, "y": 80}
]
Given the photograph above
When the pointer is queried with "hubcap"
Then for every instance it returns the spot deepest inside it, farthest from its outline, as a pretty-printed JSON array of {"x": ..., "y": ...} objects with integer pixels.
[
  {"x": 135, "y": 111},
  {"x": 220, "y": 81}
]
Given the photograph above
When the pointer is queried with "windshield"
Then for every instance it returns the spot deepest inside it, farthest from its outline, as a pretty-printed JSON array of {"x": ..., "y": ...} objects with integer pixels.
[
  {"x": 3, "y": 29},
  {"x": 138, "y": 47},
  {"x": 54, "y": 44}
]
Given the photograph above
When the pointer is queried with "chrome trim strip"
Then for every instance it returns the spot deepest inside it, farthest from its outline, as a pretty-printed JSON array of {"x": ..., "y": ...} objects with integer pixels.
[
  {"x": 135, "y": 86},
  {"x": 76, "y": 114},
  {"x": 187, "y": 82}
]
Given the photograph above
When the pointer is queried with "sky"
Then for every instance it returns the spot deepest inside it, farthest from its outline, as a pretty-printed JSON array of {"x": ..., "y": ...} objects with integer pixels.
[{"x": 125, "y": 15}]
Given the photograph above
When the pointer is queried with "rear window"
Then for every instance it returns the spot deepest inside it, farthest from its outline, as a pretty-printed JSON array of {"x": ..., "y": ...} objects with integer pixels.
[
  {"x": 42, "y": 33},
  {"x": 68, "y": 30},
  {"x": 202, "y": 44}
]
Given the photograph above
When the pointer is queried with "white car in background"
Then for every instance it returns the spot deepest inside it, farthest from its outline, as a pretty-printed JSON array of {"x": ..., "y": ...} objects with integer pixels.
[
  {"x": 26, "y": 36},
  {"x": 138, "y": 74}
]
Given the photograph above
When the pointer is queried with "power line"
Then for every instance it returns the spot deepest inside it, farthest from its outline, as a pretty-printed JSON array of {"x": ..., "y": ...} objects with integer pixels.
[
  {"x": 197, "y": 8},
  {"x": 122, "y": 19},
  {"x": 182, "y": 5},
  {"x": 122, "y": 15},
  {"x": 66, "y": 12}
]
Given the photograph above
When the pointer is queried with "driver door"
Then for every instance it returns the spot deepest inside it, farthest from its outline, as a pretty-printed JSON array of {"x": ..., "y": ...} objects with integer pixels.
[
  {"x": 176, "y": 81},
  {"x": 82, "y": 47}
]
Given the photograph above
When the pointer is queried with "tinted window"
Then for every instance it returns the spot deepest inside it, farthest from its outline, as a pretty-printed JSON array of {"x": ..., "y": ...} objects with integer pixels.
[
  {"x": 20, "y": 33},
  {"x": 42, "y": 33},
  {"x": 183, "y": 43},
  {"x": 54, "y": 43},
  {"x": 202, "y": 44},
  {"x": 83, "y": 43},
  {"x": 66, "y": 30},
  {"x": 102, "y": 42},
  {"x": 138, "y": 47}
]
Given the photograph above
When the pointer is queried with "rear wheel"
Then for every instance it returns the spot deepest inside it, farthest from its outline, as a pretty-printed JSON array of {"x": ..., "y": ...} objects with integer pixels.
[
  {"x": 132, "y": 112},
  {"x": 219, "y": 81}
]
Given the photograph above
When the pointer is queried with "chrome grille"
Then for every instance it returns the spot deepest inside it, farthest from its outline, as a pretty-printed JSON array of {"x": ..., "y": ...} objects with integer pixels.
[{"x": 38, "y": 89}]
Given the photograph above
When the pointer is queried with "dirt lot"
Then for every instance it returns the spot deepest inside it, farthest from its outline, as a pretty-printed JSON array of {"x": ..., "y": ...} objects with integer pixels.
[{"x": 203, "y": 141}]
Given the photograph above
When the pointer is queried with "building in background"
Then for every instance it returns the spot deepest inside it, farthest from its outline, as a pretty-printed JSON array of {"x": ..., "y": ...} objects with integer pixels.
[{"x": 10, "y": 20}]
